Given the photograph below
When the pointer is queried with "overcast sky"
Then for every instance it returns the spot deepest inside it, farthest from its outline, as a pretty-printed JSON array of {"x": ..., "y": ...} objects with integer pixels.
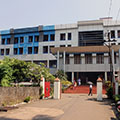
[{"x": 26, "y": 13}]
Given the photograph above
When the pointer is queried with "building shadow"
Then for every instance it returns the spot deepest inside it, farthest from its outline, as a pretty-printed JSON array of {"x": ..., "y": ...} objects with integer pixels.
[
  {"x": 43, "y": 117},
  {"x": 4, "y": 118},
  {"x": 105, "y": 101}
]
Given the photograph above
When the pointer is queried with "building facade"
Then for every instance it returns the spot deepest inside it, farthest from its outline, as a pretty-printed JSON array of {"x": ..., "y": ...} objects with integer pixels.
[{"x": 78, "y": 49}]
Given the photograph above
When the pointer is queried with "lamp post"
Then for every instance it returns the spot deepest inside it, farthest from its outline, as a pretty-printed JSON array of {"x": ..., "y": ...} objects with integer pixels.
[{"x": 109, "y": 45}]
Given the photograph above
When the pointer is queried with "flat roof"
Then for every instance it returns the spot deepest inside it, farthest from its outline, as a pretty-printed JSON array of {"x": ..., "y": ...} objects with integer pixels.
[{"x": 85, "y": 49}]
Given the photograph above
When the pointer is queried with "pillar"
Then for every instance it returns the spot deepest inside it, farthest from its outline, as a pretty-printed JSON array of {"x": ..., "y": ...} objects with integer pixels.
[
  {"x": 64, "y": 61},
  {"x": 72, "y": 77},
  {"x": 94, "y": 58},
  {"x": 42, "y": 84},
  {"x": 113, "y": 66},
  {"x": 57, "y": 90},
  {"x": 99, "y": 89},
  {"x": 47, "y": 63},
  {"x": 58, "y": 54},
  {"x": 105, "y": 76}
]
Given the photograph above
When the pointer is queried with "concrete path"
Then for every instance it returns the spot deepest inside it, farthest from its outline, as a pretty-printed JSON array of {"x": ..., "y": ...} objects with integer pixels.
[{"x": 70, "y": 107}]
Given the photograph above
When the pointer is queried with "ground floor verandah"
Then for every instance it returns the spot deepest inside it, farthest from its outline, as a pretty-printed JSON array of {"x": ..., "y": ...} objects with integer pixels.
[{"x": 88, "y": 76}]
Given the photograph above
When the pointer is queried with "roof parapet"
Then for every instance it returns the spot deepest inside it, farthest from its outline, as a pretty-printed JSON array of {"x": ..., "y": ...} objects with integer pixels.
[{"x": 90, "y": 22}]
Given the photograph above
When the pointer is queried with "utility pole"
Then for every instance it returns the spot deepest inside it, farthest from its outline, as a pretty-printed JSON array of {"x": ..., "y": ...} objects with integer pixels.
[{"x": 110, "y": 54}]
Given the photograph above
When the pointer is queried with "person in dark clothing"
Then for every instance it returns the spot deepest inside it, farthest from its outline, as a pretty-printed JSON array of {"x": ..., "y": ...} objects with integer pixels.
[{"x": 90, "y": 90}]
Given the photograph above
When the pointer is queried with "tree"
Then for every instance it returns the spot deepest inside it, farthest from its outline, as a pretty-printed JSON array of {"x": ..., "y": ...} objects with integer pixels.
[
  {"x": 5, "y": 72},
  {"x": 38, "y": 71},
  {"x": 14, "y": 70},
  {"x": 20, "y": 70},
  {"x": 61, "y": 75}
]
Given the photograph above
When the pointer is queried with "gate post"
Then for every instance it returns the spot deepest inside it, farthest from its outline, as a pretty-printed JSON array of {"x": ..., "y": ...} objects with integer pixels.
[
  {"x": 42, "y": 84},
  {"x": 57, "y": 89},
  {"x": 99, "y": 89}
]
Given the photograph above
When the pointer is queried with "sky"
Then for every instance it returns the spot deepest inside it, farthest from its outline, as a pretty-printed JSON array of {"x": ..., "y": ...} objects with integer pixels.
[{"x": 28, "y": 13}]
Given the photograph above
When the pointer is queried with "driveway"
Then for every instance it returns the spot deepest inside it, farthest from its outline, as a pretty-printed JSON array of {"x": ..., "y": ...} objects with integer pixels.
[{"x": 70, "y": 107}]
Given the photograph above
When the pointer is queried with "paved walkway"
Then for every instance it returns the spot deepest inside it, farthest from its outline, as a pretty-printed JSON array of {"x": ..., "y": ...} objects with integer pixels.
[{"x": 70, "y": 107}]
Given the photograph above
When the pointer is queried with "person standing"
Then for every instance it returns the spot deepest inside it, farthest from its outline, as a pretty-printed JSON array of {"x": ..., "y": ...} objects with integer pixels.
[
  {"x": 79, "y": 82},
  {"x": 74, "y": 85},
  {"x": 90, "y": 90}
]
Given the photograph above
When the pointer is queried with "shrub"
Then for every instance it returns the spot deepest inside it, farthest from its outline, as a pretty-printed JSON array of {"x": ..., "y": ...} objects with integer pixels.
[
  {"x": 41, "y": 90},
  {"x": 51, "y": 91},
  {"x": 27, "y": 99},
  {"x": 108, "y": 83},
  {"x": 109, "y": 93},
  {"x": 65, "y": 82},
  {"x": 117, "y": 98},
  {"x": 41, "y": 96}
]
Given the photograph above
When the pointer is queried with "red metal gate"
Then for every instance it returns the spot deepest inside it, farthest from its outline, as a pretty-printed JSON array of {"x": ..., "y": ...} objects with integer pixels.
[{"x": 47, "y": 89}]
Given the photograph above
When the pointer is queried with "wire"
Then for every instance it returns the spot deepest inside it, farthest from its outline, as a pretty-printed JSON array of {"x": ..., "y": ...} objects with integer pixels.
[
  {"x": 109, "y": 11},
  {"x": 110, "y": 7},
  {"x": 117, "y": 15}
]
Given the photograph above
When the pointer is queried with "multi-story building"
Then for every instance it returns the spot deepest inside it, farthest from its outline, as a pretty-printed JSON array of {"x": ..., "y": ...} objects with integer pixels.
[{"x": 78, "y": 49}]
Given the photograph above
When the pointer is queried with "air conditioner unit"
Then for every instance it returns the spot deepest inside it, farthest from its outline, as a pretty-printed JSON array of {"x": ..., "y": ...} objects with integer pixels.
[
  {"x": 71, "y": 55},
  {"x": 106, "y": 54},
  {"x": 61, "y": 55}
]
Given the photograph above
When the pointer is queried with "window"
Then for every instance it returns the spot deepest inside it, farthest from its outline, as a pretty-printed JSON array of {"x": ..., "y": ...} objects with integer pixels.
[
  {"x": 21, "y": 39},
  {"x": 30, "y": 39},
  {"x": 37, "y": 38},
  {"x": 8, "y": 40},
  {"x": 77, "y": 59},
  {"x": 88, "y": 58},
  {"x": 69, "y": 36},
  {"x": 90, "y": 38},
  {"x": 45, "y": 49},
  {"x": 113, "y": 43},
  {"x": 100, "y": 58},
  {"x": 67, "y": 59},
  {"x": 45, "y": 38},
  {"x": 45, "y": 62},
  {"x": 2, "y": 51},
  {"x": 7, "y": 51},
  {"x": 3, "y": 41},
  {"x": 118, "y": 33},
  {"x": 35, "y": 50},
  {"x": 62, "y": 45},
  {"x": 62, "y": 36},
  {"x": 15, "y": 51},
  {"x": 52, "y": 37},
  {"x": 29, "y": 50},
  {"x": 112, "y": 34},
  {"x": 51, "y": 47},
  {"x": 15, "y": 40},
  {"x": 52, "y": 63},
  {"x": 21, "y": 50},
  {"x": 69, "y": 45}
]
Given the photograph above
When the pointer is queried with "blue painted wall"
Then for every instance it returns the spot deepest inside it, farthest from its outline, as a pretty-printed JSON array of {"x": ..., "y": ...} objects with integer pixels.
[
  {"x": 26, "y": 32},
  {"x": 48, "y": 30},
  {"x": 5, "y": 37},
  {"x": 4, "y": 32},
  {"x": 26, "y": 43}
]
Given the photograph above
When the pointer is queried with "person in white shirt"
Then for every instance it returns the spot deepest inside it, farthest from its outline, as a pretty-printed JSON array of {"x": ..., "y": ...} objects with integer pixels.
[
  {"x": 79, "y": 82},
  {"x": 90, "y": 90}
]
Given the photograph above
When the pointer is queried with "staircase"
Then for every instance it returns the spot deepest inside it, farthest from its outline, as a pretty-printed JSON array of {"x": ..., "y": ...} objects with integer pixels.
[{"x": 82, "y": 89}]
